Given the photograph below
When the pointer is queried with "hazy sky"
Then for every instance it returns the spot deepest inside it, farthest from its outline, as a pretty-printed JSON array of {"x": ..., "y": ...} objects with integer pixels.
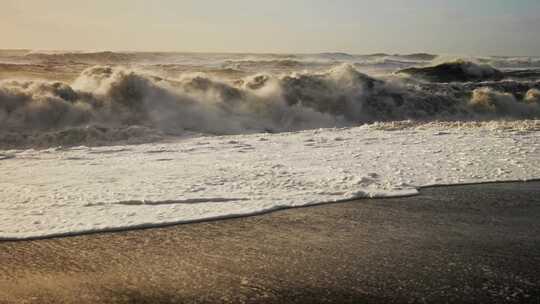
[{"x": 464, "y": 27}]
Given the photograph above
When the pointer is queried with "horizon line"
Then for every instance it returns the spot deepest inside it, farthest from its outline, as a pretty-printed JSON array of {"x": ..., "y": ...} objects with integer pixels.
[{"x": 382, "y": 53}]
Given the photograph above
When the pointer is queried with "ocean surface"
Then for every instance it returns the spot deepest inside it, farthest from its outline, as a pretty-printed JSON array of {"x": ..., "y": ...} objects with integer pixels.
[{"x": 97, "y": 141}]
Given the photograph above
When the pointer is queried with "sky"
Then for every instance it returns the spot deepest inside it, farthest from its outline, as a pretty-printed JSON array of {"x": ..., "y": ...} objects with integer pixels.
[{"x": 464, "y": 27}]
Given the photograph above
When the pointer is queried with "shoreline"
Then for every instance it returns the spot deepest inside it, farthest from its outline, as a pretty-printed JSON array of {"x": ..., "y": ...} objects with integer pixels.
[
  {"x": 255, "y": 174},
  {"x": 232, "y": 217},
  {"x": 475, "y": 243}
]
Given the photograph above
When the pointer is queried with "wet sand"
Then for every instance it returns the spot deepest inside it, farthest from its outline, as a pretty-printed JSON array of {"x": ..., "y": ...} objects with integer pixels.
[{"x": 461, "y": 244}]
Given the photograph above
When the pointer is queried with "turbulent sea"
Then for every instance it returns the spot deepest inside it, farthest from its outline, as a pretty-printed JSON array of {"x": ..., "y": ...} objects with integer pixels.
[
  {"x": 58, "y": 98},
  {"x": 99, "y": 141}
]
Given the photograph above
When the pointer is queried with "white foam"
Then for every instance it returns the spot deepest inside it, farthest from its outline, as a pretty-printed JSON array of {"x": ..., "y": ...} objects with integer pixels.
[{"x": 70, "y": 191}]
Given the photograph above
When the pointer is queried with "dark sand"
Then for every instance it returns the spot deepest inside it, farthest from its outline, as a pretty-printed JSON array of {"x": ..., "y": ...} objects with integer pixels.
[{"x": 463, "y": 244}]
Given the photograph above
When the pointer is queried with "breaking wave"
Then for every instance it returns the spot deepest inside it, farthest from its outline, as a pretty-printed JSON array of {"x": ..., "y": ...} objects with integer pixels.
[
  {"x": 455, "y": 71},
  {"x": 466, "y": 71},
  {"x": 118, "y": 103}
]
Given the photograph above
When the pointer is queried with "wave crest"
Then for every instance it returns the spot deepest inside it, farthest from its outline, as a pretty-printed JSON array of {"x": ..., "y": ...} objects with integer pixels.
[
  {"x": 455, "y": 71},
  {"x": 487, "y": 100}
]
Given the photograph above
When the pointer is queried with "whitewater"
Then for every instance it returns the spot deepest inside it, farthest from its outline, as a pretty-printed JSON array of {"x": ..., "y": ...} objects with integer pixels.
[
  {"x": 67, "y": 191},
  {"x": 106, "y": 141}
]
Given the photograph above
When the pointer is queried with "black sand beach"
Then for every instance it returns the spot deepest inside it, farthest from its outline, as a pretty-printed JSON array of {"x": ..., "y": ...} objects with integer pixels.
[{"x": 460, "y": 244}]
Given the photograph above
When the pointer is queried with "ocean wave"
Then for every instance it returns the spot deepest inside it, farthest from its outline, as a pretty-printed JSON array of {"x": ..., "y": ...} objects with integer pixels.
[
  {"x": 473, "y": 70},
  {"x": 86, "y": 57},
  {"x": 116, "y": 97},
  {"x": 418, "y": 56},
  {"x": 349, "y": 57},
  {"x": 512, "y": 62},
  {"x": 202, "y": 59},
  {"x": 386, "y": 63},
  {"x": 455, "y": 71},
  {"x": 274, "y": 64},
  {"x": 523, "y": 74}
]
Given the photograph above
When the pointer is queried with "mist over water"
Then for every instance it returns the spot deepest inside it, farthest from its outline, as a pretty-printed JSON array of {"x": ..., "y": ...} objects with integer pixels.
[{"x": 86, "y": 98}]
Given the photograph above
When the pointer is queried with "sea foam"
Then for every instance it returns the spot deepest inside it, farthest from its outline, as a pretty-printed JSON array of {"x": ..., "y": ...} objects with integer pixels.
[{"x": 67, "y": 191}]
